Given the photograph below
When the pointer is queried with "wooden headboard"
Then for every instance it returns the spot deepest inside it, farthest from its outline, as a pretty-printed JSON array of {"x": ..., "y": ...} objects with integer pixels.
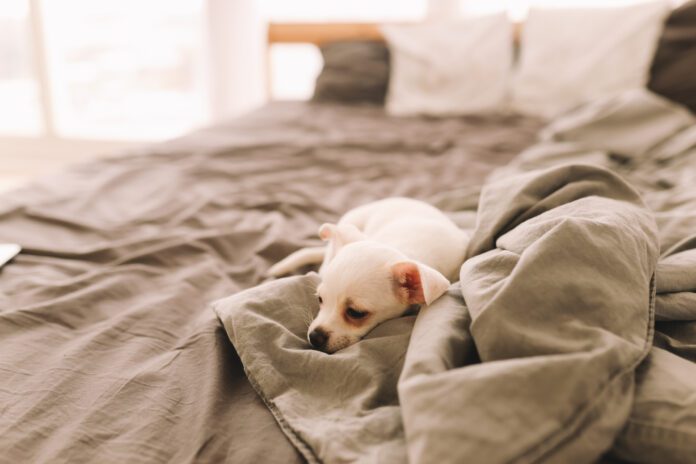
[{"x": 321, "y": 33}]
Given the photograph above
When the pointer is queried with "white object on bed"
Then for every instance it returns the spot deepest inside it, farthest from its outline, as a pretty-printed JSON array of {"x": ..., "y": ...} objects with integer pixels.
[
  {"x": 449, "y": 68},
  {"x": 7, "y": 252},
  {"x": 572, "y": 55}
]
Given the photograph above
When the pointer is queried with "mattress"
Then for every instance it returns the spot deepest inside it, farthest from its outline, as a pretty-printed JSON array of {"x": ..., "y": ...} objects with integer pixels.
[{"x": 109, "y": 350}]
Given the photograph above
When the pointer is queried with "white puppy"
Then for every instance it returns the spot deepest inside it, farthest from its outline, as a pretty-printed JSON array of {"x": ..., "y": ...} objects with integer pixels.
[{"x": 382, "y": 259}]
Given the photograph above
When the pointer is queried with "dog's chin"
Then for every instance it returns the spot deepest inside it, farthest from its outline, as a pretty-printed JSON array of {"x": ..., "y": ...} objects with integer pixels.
[{"x": 339, "y": 344}]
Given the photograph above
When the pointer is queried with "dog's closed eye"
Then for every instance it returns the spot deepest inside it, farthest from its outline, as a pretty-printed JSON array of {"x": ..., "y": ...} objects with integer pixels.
[{"x": 355, "y": 314}]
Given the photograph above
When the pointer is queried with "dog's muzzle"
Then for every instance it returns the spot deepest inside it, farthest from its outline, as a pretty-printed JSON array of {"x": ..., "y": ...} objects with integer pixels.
[{"x": 318, "y": 338}]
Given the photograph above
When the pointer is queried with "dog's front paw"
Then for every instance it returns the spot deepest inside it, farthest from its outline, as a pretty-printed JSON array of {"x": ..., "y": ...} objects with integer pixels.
[{"x": 277, "y": 270}]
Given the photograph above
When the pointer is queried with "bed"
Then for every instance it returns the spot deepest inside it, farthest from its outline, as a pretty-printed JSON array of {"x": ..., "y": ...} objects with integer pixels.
[{"x": 137, "y": 324}]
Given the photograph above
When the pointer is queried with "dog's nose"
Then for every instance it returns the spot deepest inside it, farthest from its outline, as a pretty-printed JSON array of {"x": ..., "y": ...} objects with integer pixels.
[{"x": 318, "y": 338}]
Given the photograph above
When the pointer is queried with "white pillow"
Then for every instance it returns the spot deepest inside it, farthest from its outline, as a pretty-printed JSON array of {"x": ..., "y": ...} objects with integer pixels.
[
  {"x": 570, "y": 56},
  {"x": 449, "y": 68}
]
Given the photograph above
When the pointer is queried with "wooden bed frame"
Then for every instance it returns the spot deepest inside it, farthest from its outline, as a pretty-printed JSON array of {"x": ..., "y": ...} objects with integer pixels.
[{"x": 321, "y": 33}]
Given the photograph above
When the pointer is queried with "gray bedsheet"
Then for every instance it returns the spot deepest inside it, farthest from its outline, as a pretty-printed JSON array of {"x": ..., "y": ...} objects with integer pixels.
[
  {"x": 108, "y": 351},
  {"x": 548, "y": 350}
]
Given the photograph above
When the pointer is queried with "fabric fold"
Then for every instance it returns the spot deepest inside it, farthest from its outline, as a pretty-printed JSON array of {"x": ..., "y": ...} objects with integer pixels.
[
  {"x": 333, "y": 408},
  {"x": 558, "y": 345}
]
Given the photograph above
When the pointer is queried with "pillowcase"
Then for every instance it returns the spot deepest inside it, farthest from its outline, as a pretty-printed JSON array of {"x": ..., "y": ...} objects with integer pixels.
[
  {"x": 673, "y": 72},
  {"x": 353, "y": 72},
  {"x": 570, "y": 56},
  {"x": 449, "y": 68}
]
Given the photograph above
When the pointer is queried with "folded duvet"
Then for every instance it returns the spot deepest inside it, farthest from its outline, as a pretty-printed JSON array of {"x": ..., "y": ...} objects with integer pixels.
[{"x": 548, "y": 349}]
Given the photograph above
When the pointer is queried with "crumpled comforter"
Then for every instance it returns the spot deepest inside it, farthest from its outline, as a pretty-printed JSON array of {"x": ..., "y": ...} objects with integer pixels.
[{"x": 571, "y": 336}]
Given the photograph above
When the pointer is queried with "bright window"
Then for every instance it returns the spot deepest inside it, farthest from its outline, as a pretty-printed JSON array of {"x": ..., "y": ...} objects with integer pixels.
[
  {"x": 294, "y": 69},
  {"x": 125, "y": 69}
]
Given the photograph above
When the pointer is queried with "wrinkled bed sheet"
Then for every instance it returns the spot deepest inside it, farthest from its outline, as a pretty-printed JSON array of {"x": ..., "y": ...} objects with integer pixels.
[
  {"x": 571, "y": 336},
  {"x": 108, "y": 350}
]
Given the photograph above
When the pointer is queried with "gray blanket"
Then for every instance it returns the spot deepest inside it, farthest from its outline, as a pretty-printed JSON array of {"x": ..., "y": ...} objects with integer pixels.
[{"x": 548, "y": 349}]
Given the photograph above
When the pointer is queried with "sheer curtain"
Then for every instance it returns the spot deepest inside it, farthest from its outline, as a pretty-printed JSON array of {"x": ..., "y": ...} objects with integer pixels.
[{"x": 236, "y": 46}]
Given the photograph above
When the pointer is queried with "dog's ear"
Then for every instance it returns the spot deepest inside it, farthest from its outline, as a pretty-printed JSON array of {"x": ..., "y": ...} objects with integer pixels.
[
  {"x": 326, "y": 231},
  {"x": 340, "y": 234},
  {"x": 417, "y": 283}
]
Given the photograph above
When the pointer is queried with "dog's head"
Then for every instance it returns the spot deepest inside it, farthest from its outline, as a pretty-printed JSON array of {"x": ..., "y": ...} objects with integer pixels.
[{"x": 363, "y": 284}]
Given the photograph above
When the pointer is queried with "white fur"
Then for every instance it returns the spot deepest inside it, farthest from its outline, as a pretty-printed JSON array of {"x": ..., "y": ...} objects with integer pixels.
[
  {"x": 381, "y": 259},
  {"x": 300, "y": 258}
]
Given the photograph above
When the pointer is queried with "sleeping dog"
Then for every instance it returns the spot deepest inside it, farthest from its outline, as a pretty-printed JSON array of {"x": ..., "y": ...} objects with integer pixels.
[{"x": 381, "y": 260}]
